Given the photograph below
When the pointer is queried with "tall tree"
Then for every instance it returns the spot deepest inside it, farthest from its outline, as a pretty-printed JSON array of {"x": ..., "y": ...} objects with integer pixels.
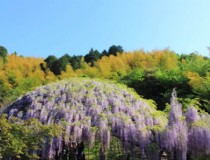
[
  {"x": 3, "y": 53},
  {"x": 50, "y": 60},
  {"x": 92, "y": 56},
  {"x": 63, "y": 61},
  {"x": 113, "y": 50},
  {"x": 60, "y": 64},
  {"x": 76, "y": 62},
  {"x": 104, "y": 53}
]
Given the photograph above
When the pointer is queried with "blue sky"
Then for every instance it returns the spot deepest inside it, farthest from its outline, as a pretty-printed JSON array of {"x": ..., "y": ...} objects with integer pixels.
[{"x": 43, "y": 27}]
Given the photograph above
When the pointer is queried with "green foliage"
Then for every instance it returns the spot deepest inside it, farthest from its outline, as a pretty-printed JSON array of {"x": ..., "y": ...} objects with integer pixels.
[
  {"x": 151, "y": 74},
  {"x": 24, "y": 86},
  {"x": 113, "y": 50},
  {"x": 186, "y": 102},
  {"x": 3, "y": 53},
  {"x": 60, "y": 64},
  {"x": 4, "y": 94},
  {"x": 50, "y": 60},
  {"x": 76, "y": 62},
  {"x": 57, "y": 65},
  {"x": 195, "y": 63},
  {"x": 19, "y": 138},
  {"x": 134, "y": 76},
  {"x": 114, "y": 152},
  {"x": 92, "y": 56}
]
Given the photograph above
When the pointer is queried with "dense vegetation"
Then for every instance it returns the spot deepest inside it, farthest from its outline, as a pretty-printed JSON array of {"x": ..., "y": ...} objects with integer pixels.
[
  {"x": 182, "y": 131},
  {"x": 22, "y": 139},
  {"x": 96, "y": 111},
  {"x": 152, "y": 74}
]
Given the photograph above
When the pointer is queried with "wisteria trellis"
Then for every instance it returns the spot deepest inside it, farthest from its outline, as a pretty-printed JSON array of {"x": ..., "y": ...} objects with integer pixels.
[{"x": 93, "y": 109}]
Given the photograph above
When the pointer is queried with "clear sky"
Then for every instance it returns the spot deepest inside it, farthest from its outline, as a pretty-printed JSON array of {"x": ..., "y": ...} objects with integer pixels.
[{"x": 43, "y": 27}]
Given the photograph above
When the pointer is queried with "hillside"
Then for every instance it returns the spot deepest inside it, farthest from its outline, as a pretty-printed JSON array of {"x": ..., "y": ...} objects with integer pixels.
[
  {"x": 151, "y": 74},
  {"x": 94, "y": 110}
]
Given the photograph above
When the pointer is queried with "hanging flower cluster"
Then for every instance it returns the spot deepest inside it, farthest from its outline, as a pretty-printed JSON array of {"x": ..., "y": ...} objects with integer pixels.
[
  {"x": 92, "y": 110},
  {"x": 186, "y": 136}
]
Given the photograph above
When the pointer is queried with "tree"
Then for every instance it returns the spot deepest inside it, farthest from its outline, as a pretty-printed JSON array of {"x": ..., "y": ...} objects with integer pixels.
[
  {"x": 69, "y": 72},
  {"x": 195, "y": 63},
  {"x": 58, "y": 65},
  {"x": 76, "y": 62},
  {"x": 104, "y": 53},
  {"x": 49, "y": 61},
  {"x": 113, "y": 50},
  {"x": 92, "y": 56},
  {"x": 63, "y": 62},
  {"x": 3, "y": 53},
  {"x": 134, "y": 77}
]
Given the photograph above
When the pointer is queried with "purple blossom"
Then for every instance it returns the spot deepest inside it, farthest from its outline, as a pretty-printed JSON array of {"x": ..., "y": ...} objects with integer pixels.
[{"x": 94, "y": 110}]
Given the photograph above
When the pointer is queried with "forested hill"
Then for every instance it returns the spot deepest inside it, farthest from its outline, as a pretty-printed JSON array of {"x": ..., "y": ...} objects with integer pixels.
[{"x": 152, "y": 74}]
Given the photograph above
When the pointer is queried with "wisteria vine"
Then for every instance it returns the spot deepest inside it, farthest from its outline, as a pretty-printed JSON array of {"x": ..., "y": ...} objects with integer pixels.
[{"x": 91, "y": 110}]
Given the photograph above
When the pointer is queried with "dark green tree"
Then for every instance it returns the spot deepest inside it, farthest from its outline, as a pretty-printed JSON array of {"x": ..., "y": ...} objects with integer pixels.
[
  {"x": 60, "y": 64},
  {"x": 92, "y": 56},
  {"x": 57, "y": 65},
  {"x": 76, "y": 62},
  {"x": 113, "y": 50},
  {"x": 104, "y": 53},
  {"x": 63, "y": 61},
  {"x": 3, "y": 53},
  {"x": 50, "y": 60}
]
